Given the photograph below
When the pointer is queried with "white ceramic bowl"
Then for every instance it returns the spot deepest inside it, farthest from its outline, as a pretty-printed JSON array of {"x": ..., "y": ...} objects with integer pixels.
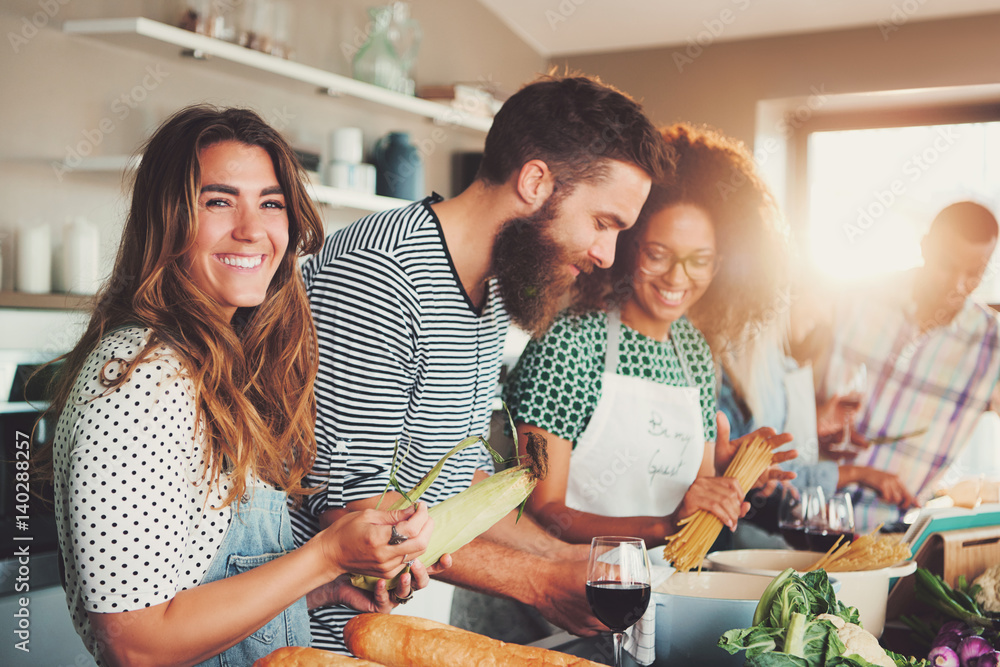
[
  {"x": 867, "y": 590},
  {"x": 694, "y": 609}
]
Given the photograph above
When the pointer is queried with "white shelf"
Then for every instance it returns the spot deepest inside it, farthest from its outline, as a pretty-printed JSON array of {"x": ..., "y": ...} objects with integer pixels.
[
  {"x": 7, "y": 408},
  {"x": 361, "y": 201},
  {"x": 321, "y": 194},
  {"x": 153, "y": 37},
  {"x": 51, "y": 301},
  {"x": 100, "y": 163}
]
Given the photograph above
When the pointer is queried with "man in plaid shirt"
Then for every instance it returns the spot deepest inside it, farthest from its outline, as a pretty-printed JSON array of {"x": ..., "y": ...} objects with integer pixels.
[{"x": 932, "y": 357}]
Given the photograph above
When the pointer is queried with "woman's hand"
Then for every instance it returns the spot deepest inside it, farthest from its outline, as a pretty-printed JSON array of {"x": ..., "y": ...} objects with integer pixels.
[
  {"x": 358, "y": 542},
  {"x": 341, "y": 591},
  {"x": 722, "y": 496},
  {"x": 725, "y": 451}
]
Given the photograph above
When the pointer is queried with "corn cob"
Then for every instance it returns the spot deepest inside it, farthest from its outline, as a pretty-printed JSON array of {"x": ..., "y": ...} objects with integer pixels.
[{"x": 466, "y": 515}]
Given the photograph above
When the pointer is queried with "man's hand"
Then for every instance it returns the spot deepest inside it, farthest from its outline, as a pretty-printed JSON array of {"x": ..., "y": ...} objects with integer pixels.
[
  {"x": 887, "y": 485},
  {"x": 830, "y": 420},
  {"x": 562, "y": 591},
  {"x": 829, "y": 443}
]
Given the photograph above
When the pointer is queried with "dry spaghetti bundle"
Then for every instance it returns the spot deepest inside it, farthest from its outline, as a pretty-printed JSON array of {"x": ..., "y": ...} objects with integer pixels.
[
  {"x": 869, "y": 552},
  {"x": 688, "y": 547}
]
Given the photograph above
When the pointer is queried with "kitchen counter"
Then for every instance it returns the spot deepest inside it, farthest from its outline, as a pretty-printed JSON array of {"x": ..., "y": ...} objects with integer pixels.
[{"x": 597, "y": 649}]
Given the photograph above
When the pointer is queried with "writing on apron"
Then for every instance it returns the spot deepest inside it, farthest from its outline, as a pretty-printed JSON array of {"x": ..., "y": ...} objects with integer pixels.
[{"x": 641, "y": 431}]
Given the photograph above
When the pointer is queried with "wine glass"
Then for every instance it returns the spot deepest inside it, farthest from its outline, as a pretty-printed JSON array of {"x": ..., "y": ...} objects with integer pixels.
[
  {"x": 800, "y": 512},
  {"x": 836, "y": 520},
  {"x": 618, "y": 586},
  {"x": 850, "y": 386}
]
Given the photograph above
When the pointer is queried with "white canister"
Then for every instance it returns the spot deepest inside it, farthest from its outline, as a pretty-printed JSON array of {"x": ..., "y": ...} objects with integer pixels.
[
  {"x": 34, "y": 259},
  {"x": 81, "y": 251},
  {"x": 355, "y": 177},
  {"x": 346, "y": 145}
]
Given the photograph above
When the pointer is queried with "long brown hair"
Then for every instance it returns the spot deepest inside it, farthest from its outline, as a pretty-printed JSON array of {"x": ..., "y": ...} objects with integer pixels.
[
  {"x": 253, "y": 377},
  {"x": 717, "y": 174}
]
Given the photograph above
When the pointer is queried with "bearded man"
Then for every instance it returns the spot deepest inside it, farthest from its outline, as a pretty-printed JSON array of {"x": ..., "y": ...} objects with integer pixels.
[{"x": 412, "y": 306}]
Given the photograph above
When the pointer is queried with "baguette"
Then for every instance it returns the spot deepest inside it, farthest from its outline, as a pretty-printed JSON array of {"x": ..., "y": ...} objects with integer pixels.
[
  {"x": 406, "y": 641},
  {"x": 298, "y": 656}
]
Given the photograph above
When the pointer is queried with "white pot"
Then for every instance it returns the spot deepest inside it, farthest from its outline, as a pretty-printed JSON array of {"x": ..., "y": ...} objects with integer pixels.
[{"x": 867, "y": 590}]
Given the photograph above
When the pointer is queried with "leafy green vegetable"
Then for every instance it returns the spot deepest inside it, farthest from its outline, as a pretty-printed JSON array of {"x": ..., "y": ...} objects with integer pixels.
[
  {"x": 934, "y": 591},
  {"x": 787, "y": 630}
]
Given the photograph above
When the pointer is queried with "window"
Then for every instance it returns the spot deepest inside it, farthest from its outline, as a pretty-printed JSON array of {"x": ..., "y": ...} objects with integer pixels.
[{"x": 872, "y": 193}]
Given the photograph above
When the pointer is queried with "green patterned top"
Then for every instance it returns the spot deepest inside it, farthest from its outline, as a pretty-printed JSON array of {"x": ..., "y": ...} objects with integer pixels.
[{"x": 557, "y": 381}]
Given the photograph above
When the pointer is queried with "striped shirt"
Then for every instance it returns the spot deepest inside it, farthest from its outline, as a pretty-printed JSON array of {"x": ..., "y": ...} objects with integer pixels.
[
  {"x": 403, "y": 357},
  {"x": 940, "y": 380}
]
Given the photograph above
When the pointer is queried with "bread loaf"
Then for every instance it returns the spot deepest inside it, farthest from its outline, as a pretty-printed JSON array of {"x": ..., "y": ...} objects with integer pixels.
[
  {"x": 297, "y": 656},
  {"x": 405, "y": 641}
]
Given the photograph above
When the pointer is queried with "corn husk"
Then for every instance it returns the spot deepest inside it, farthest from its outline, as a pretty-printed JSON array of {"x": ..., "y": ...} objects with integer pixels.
[{"x": 467, "y": 515}]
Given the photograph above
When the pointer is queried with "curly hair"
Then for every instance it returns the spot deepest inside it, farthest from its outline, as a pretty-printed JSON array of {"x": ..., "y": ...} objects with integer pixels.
[
  {"x": 717, "y": 174},
  {"x": 253, "y": 377}
]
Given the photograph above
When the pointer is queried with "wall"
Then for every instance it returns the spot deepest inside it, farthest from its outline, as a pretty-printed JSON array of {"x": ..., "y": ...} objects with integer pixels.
[
  {"x": 65, "y": 94},
  {"x": 722, "y": 83}
]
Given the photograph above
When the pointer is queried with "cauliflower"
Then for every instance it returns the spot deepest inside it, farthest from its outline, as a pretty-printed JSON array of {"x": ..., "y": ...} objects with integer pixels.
[
  {"x": 988, "y": 596},
  {"x": 859, "y": 641}
]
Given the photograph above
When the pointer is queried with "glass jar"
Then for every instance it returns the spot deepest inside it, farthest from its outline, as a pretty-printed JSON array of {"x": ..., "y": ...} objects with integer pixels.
[
  {"x": 376, "y": 61},
  {"x": 404, "y": 34}
]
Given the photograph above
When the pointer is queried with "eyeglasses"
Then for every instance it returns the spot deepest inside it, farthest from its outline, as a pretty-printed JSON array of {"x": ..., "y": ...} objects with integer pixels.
[{"x": 698, "y": 267}]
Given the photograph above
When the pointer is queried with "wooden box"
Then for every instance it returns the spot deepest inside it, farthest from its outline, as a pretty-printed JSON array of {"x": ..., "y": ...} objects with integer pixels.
[{"x": 948, "y": 554}]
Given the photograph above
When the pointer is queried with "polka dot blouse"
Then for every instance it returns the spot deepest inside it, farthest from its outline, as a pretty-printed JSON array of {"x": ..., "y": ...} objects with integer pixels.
[{"x": 135, "y": 517}]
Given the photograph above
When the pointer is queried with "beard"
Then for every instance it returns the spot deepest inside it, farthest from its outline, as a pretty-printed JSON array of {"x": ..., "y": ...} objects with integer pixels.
[{"x": 530, "y": 268}]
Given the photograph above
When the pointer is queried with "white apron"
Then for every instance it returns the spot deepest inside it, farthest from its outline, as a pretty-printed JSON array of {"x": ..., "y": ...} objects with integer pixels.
[
  {"x": 643, "y": 446},
  {"x": 800, "y": 414}
]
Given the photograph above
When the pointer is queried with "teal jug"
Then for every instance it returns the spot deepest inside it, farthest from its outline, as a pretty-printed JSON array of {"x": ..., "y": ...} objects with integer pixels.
[{"x": 399, "y": 167}]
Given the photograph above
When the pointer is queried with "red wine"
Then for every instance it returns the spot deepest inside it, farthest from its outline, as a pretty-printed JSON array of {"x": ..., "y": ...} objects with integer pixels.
[
  {"x": 823, "y": 540},
  {"x": 796, "y": 537},
  {"x": 618, "y": 605},
  {"x": 850, "y": 403}
]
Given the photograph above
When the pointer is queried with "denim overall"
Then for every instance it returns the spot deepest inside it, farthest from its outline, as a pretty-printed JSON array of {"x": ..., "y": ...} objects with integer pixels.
[{"x": 261, "y": 531}]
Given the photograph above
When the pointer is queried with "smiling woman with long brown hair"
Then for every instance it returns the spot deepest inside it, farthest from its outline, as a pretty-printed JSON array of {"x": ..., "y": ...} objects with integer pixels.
[{"x": 185, "y": 417}]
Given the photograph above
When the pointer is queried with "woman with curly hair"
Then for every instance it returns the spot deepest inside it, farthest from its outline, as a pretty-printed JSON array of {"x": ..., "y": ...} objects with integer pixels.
[
  {"x": 623, "y": 388},
  {"x": 186, "y": 411}
]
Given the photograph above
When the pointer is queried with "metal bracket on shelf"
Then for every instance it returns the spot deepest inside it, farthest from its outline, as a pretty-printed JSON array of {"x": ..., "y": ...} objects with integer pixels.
[{"x": 196, "y": 54}]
